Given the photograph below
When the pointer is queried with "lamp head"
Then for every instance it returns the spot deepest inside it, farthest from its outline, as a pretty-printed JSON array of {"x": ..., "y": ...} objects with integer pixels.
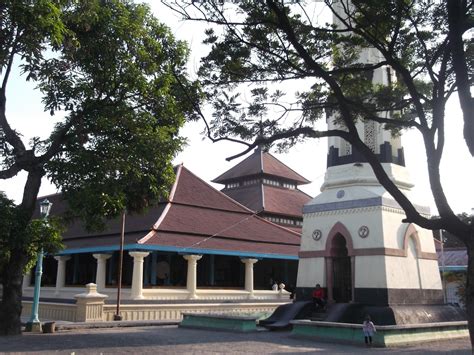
[{"x": 45, "y": 207}]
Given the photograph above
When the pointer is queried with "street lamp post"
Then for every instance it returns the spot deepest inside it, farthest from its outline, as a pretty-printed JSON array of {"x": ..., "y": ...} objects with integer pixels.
[
  {"x": 34, "y": 325},
  {"x": 443, "y": 280},
  {"x": 117, "y": 315}
]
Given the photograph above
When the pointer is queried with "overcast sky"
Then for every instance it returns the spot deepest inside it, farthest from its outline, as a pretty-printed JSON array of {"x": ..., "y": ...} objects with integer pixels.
[{"x": 207, "y": 160}]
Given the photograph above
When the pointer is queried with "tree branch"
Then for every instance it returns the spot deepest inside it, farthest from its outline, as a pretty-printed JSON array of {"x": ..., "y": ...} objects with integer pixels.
[
  {"x": 457, "y": 24},
  {"x": 11, "y": 136},
  {"x": 10, "y": 172},
  {"x": 291, "y": 133},
  {"x": 392, "y": 61}
]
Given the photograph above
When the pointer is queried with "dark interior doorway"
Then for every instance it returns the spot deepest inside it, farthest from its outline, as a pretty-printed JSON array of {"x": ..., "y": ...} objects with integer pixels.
[{"x": 342, "y": 275}]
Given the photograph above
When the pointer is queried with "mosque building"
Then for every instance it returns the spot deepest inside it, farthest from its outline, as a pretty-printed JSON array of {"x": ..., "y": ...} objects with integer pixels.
[{"x": 199, "y": 243}]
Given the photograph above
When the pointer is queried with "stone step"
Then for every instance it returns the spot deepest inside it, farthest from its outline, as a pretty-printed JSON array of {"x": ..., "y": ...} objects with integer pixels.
[{"x": 318, "y": 316}]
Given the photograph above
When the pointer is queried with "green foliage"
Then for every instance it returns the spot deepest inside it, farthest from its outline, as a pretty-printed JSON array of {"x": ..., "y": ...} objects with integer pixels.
[
  {"x": 274, "y": 46},
  {"x": 44, "y": 235},
  {"x": 115, "y": 78},
  {"x": 38, "y": 234},
  {"x": 26, "y": 27},
  {"x": 118, "y": 76}
]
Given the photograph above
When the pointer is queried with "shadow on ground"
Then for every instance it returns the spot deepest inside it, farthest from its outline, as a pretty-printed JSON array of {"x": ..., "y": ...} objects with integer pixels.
[{"x": 173, "y": 339}]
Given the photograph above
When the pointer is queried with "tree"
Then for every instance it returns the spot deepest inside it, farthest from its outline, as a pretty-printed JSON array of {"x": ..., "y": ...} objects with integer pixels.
[
  {"x": 261, "y": 47},
  {"x": 113, "y": 77},
  {"x": 39, "y": 234}
]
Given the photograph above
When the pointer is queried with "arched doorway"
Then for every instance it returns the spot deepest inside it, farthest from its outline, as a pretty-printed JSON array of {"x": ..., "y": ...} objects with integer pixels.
[{"x": 341, "y": 270}]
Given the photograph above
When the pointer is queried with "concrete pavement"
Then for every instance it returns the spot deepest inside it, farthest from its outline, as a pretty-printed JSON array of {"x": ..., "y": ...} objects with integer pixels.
[{"x": 173, "y": 340}]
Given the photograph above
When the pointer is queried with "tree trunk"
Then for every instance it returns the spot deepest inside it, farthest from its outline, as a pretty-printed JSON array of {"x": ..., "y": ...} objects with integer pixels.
[
  {"x": 12, "y": 278},
  {"x": 10, "y": 306}
]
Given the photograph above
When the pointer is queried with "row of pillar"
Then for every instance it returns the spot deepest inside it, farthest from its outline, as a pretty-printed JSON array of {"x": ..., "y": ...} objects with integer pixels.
[{"x": 137, "y": 276}]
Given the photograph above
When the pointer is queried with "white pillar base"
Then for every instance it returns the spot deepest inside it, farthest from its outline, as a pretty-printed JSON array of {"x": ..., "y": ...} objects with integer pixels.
[
  {"x": 137, "y": 278},
  {"x": 191, "y": 281}
]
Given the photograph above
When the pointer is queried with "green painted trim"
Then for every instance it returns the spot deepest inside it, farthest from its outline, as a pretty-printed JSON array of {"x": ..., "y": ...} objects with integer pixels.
[
  {"x": 219, "y": 322},
  {"x": 386, "y": 336}
]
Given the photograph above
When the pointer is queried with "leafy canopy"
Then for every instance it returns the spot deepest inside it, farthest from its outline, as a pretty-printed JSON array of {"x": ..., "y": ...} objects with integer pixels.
[
  {"x": 39, "y": 234},
  {"x": 114, "y": 79},
  {"x": 117, "y": 76},
  {"x": 274, "y": 71}
]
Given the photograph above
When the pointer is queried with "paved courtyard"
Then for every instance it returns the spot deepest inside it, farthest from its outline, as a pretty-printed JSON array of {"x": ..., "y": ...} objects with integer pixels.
[{"x": 174, "y": 340}]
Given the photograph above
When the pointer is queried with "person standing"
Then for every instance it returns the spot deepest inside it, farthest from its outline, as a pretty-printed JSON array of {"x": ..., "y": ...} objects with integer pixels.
[
  {"x": 275, "y": 286},
  {"x": 369, "y": 329}
]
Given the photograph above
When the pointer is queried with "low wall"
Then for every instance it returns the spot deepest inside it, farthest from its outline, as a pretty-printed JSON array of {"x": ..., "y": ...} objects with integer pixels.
[
  {"x": 51, "y": 311},
  {"x": 133, "y": 312},
  {"x": 90, "y": 306},
  {"x": 219, "y": 322},
  {"x": 386, "y": 336},
  {"x": 166, "y": 294},
  {"x": 175, "y": 311}
]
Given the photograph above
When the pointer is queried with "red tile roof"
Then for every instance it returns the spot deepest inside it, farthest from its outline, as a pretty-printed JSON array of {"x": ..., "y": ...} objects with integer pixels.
[
  {"x": 284, "y": 201},
  {"x": 194, "y": 220},
  {"x": 186, "y": 243},
  {"x": 219, "y": 223},
  {"x": 261, "y": 162},
  {"x": 196, "y": 217},
  {"x": 250, "y": 196},
  {"x": 271, "y": 199},
  {"x": 190, "y": 189},
  {"x": 135, "y": 222}
]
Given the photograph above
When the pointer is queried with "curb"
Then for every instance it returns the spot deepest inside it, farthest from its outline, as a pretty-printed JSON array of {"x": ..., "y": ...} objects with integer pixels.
[
  {"x": 59, "y": 326},
  {"x": 119, "y": 324}
]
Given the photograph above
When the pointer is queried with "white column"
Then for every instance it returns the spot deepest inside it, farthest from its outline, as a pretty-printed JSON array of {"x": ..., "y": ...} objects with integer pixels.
[
  {"x": 249, "y": 275},
  {"x": 101, "y": 270},
  {"x": 61, "y": 273},
  {"x": 137, "y": 278},
  {"x": 192, "y": 271},
  {"x": 26, "y": 279}
]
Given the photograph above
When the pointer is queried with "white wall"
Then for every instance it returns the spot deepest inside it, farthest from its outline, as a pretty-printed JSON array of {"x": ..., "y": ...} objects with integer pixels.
[
  {"x": 310, "y": 272},
  {"x": 370, "y": 272}
]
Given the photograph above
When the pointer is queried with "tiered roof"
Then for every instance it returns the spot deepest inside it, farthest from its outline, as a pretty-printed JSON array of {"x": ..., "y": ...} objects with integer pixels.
[
  {"x": 195, "y": 219},
  {"x": 270, "y": 199},
  {"x": 265, "y": 198},
  {"x": 261, "y": 162}
]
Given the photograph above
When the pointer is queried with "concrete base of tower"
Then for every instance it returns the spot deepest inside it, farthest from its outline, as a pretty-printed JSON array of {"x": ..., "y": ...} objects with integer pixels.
[
  {"x": 382, "y": 296},
  {"x": 390, "y": 306},
  {"x": 355, "y": 313},
  {"x": 403, "y": 307}
]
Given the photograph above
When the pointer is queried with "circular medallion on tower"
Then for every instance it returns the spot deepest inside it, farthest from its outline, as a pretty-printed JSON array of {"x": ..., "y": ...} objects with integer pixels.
[
  {"x": 364, "y": 231},
  {"x": 340, "y": 194},
  {"x": 317, "y": 234}
]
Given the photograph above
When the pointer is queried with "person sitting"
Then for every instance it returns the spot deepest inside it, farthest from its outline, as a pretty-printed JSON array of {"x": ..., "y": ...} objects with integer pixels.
[{"x": 318, "y": 297}]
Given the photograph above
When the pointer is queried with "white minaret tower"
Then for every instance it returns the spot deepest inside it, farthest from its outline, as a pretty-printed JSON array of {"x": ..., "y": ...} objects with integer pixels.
[{"x": 354, "y": 242}]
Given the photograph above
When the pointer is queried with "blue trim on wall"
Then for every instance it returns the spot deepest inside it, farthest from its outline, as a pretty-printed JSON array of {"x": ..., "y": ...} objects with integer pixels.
[
  {"x": 366, "y": 202},
  {"x": 108, "y": 249},
  {"x": 343, "y": 205}
]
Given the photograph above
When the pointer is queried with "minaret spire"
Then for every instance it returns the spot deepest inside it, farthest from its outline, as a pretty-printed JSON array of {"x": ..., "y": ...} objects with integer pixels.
[{"x": 386, "y": 146}]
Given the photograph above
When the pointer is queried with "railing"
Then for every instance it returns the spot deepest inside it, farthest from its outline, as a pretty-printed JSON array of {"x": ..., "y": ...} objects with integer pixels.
[{"x": 174, "y": 294}]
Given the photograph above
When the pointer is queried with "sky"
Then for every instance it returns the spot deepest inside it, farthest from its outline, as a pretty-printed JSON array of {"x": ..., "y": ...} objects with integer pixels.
[{"x": 208, "y": 160}]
